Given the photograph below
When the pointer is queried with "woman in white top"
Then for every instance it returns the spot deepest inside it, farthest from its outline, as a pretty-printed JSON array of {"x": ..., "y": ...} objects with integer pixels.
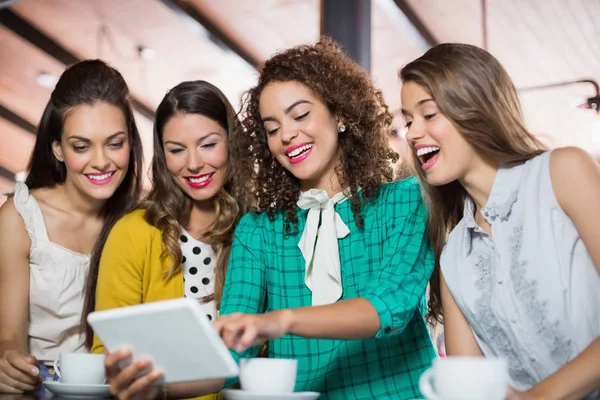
[
  {"x": 83, "y": 175},
  {"x": 520, "y": 270}
]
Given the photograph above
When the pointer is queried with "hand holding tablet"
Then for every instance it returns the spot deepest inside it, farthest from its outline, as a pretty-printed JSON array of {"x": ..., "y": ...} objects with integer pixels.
[{"x": 174, "y": 334}]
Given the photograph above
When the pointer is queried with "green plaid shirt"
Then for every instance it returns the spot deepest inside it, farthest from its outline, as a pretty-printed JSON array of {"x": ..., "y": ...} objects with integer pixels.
[{"x": 389, "y": 263}]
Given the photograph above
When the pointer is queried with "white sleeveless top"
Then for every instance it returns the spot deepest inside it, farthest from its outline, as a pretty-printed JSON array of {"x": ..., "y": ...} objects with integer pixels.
[
  {"x": 530, "y": 292},
  {"x": 56, "y": 281}
]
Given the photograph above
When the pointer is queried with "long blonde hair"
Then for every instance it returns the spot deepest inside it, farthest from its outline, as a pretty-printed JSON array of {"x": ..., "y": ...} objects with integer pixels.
[{"x": 472, "y": 89}]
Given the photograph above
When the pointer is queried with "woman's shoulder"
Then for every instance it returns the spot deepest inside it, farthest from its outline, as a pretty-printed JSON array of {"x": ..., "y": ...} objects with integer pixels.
[
  {"x": 9, "y": 215},
  {"x": 252, "y": 223},
  {"x": 134, "y": 223},
  {"x": 13, "y": 233},
  {"x": 401, "y": 193}
]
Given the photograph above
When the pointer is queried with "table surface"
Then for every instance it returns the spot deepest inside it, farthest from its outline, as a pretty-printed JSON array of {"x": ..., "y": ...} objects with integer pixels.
[{"x": 46, "y": 396}]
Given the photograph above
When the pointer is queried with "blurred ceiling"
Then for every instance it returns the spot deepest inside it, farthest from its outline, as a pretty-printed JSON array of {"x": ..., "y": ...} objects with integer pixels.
[{"x": 158, "y": 43}]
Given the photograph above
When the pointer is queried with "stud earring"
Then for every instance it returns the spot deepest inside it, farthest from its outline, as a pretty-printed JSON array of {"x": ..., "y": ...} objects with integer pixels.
[{"x": 342, "y": 129}]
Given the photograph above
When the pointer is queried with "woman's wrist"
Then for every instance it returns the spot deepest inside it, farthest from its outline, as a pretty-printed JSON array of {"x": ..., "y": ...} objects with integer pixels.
[{"x": 286, "y": 318}]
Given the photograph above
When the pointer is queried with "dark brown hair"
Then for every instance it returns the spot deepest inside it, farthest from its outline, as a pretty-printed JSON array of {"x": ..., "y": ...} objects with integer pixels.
[
  {"x": 472, "y": 89},
  {"x": 87, "y": 83},
  {"x": 349, "y": 94},
  {"x": 167, "y": 207}
]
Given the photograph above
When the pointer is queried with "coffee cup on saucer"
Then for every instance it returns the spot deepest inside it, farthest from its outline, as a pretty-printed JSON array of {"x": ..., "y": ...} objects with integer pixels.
[
  {"x": 80, "y": 368},
  {"x": 465, "y": 378},
  {"x": 268, "y": 375}
]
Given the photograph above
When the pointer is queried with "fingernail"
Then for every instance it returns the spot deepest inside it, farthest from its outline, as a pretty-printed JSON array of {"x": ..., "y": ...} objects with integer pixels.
[
  {"x": 35, "y": 371},
  {"x": 143, "y": 363},
  {"x": 156, "y": 373}
]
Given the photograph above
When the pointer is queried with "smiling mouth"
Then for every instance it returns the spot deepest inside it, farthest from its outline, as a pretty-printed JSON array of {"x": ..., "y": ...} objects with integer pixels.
[
  {"x": 299, "y": 152},
  {"x": 427, "y": 153},
  {"x": 100, "y": 179},
  {"x": 200, "y": 179}
]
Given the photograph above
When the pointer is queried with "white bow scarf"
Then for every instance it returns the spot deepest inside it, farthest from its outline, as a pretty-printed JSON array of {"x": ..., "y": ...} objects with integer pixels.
[{"x": 323, "y": 276}]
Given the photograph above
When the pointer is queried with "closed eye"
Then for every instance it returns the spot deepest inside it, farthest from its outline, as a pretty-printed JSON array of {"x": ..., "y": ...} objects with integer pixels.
[
  {"x": 175, "y": 151},
  {"x": 208, "y": 145},
  {"x": 117, "y": 145},
  {"x": 272, "y": 131},
  {"x": 301, "y": 117}
]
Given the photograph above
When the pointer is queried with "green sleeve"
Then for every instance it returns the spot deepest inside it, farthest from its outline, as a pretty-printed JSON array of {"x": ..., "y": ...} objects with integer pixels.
[
  {"x": 245, "y": 285},
  {"x": 399, "y": 287}
]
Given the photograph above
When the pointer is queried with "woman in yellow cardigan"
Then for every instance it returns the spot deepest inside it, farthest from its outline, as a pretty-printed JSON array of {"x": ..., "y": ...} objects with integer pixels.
[{"x": 177, "y": 243}]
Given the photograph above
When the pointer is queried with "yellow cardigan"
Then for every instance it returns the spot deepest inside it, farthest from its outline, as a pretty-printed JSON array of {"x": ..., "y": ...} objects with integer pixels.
[{"x": 131, "y": 271}]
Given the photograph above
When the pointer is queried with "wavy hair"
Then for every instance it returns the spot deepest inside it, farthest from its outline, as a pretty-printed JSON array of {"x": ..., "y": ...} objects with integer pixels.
[
  {"x": 167, "y": 206},
  {"x": 473, "y": 90},
  {"x": 349, "y": 94}
]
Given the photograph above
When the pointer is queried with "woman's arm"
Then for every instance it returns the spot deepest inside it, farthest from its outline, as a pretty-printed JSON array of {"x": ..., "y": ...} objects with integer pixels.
[
  {"x": 458, "y": 336},
  {"x": 244, "y": 290},
  {"x": 576, "y": 182},
  {"x": 18, "y": 371},
  {"x": 130, "y": 248},
  {"x": 125, "y": 386},
  {"x": 335, "y": 321},
  {"x": 122, "y": 266},
  {"x": 387, "y": 303}
]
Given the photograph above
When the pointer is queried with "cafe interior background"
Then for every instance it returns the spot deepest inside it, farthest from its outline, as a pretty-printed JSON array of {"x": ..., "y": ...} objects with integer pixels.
[{"x": 551, "y": 49}]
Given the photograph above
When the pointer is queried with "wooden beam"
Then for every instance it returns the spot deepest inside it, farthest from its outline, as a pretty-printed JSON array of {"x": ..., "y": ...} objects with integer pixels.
[
  {"x": 420, "y": 27},
  {"x": 187, "y": 11},
  {"x": 17, "y": 120},
  {"x": 30, "y": 33},
  {"x": 349, "y": 23}
]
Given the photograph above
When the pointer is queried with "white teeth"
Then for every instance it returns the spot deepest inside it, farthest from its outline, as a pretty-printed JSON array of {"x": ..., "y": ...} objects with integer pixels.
[
  {"x": 299, "y": 150},
  {"x": 203, "y": 178},
  {"x": 100, "y": 177},
  {"x": 424, "y": 150}
]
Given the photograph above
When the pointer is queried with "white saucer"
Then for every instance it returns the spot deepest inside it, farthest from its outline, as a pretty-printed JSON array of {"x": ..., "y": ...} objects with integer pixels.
[
  {"x": 78, "y": 391},
  {"x": 236, "y": 394}
]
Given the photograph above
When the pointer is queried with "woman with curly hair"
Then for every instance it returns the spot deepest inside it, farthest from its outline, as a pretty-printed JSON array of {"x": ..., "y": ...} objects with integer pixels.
[
  {"x": 177, "y": 243},
  {"x": 331, "y": 267}
]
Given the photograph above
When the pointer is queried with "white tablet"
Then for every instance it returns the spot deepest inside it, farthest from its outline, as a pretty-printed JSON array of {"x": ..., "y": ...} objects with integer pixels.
[{"x": 175, "y": 334}]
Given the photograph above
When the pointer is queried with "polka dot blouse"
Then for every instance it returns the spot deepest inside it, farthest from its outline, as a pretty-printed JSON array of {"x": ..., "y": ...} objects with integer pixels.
[{"x": 198, "y": 271}]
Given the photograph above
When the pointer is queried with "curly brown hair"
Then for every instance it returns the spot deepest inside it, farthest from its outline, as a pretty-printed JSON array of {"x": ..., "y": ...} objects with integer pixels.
[{"x": 349, "y": 94}]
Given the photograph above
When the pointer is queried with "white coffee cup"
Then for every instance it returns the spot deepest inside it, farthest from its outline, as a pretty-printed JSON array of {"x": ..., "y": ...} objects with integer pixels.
[
  {"x": 465, "y": 378},
  {"x": 80, "y": 368},
  {"x": 268, "y": 375}
]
